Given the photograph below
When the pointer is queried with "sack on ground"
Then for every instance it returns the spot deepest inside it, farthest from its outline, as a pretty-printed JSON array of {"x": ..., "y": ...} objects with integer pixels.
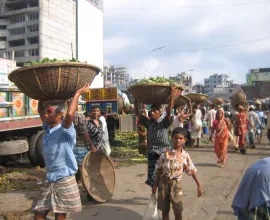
[{"x": 151, "y": 211}]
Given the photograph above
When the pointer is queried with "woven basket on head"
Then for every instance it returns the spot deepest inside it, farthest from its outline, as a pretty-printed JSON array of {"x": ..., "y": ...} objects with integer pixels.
[
  {"x": 238, "y": 98},
  {"x": 197, "y": 98},
  {"x": 182, "y": 100},
  {"x": 98, "y": 176},
  {"x": 154, "y": 93},
  {"x": 53, "y": 80},
  {"x": 218, "y": 101}
]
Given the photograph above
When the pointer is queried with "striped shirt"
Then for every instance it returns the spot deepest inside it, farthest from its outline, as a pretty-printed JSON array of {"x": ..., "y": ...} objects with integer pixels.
[
  {"x": 157, "y": 133},
  {"x": 95, "y": 133}
]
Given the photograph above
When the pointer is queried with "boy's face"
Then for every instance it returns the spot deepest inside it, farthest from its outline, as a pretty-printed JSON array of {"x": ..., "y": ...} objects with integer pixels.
[
  {"x": 52, "y": 116},
  {"x": 155, "y": 113},
  {"x": 95, "y": 112},
  {"x": 178, "y": 140}
]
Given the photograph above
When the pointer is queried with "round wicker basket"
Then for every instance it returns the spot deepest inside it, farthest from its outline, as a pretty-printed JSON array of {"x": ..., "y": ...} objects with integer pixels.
[
  {"x": 182, "y": 100},
  {"x": 238, "y": 98},
  {"x": 197, "y": 98},
  {"x": 158, "y": 93},
  {"x": 218, "y": 101},
  {"x": 98, "y": 176},
  {"x": 53, "y": 80}
]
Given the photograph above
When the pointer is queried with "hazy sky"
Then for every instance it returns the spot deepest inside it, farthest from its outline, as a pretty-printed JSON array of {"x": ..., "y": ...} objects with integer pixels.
[{"x": 132, "y": 28}]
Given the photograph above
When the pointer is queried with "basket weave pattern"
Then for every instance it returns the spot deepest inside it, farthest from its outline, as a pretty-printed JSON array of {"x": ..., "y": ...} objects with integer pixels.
[
  {"x": 98, "y": 176},
  {"x": 197, "y": 98},
  {"x": 182, "y": 100},
  {"x": 238, "y": 98},
  {"x": 158, "y": 93},
  {"x": 53, "y": 80}
]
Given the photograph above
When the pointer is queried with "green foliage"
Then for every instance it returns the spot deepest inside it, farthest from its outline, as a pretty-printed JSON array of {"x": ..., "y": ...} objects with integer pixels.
[
  {"x": 155, "y": 80},
  {"x": 47, "y": 60}
]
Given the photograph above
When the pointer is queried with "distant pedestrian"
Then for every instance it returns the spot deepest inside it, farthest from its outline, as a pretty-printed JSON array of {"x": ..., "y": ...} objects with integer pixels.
[
  {"x": 196, "y": 128},
  {"x": 210, "y": 117},
  {"x": 262, "y": 125},
  {"x": 251, "y": 201},
  {"x": 220, "y": 130},
  {"x": 241, "y": 128},
  {"x": 253, "y": 121}
]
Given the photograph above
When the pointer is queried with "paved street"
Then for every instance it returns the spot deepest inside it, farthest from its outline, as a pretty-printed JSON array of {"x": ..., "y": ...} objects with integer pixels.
[{"x": 219, "y": 185}]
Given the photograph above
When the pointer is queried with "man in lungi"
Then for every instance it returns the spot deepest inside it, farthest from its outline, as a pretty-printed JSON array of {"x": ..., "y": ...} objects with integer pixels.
[{"x": 62, "y": 194}]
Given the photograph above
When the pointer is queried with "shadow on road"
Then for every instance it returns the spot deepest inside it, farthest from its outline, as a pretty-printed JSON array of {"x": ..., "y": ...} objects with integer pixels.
[{"x": 205, "y": 165}]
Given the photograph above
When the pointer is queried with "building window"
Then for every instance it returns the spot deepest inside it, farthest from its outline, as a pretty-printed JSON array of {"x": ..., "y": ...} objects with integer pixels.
[
  {"x": 33, "y": 28},
  {"x": 19, "y": 53},
  {"x": 33, "y": 40},
  {"x": 33, "y": 52},
  {"x": 17, "y": 43},
  {"x": 17, "y": 31},
  {"x": 33, "y": 16},
  {"x": 17, "y": 19},
  {"x": 3, "y": 27},
  {"x": 3, "y": 38}
]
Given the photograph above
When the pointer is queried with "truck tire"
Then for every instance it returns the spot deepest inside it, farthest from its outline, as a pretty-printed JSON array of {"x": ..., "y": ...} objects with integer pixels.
[
  {"x": 3, "y": 160},
  {"x": 13, "y": 147},
  {"x": 39, "y": 153},
  {"x": 32, "y": 148}
]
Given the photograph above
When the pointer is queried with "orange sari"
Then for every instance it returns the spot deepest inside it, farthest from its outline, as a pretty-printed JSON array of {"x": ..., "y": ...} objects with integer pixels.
[{"x": 221, "y": 139}]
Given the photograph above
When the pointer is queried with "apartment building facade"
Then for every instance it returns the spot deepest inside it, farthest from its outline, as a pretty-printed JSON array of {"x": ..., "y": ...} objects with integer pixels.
[{"x": 213, "y": 81}]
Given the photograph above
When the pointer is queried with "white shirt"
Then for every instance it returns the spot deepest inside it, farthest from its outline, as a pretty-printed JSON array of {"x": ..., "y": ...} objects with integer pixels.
[
  {"x": 211, "y": 116},
  {"x": 253, "y": 119},
  {"x": 176, "y": 122},
  {"x": 104, "y": 125}
]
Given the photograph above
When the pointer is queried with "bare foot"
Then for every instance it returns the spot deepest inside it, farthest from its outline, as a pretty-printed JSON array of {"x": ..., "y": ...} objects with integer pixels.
[{"x": 222, "y": 165}]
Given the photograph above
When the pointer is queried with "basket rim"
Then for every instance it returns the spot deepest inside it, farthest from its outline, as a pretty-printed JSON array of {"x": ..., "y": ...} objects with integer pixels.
[
  {"x": 167, "y": 84},
  {"x": 197, "y": 94},
  {"x": 53, "y": 64},
  {"x": 184, "y": 97},
  {"x": 90, "y": 153}
]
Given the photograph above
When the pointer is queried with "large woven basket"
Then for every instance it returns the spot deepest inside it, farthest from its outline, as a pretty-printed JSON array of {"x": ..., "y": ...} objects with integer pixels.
[
  {"x": 197, "y": 98},
  {"x": 158, "y": 93},
  {"x": 182, "y": 100},
  {"x": 98, "y": 176},
  {"x": 238, "y": 98},
  {"x": 218, "y": 101},
  {"x": 53, "y": 80}
]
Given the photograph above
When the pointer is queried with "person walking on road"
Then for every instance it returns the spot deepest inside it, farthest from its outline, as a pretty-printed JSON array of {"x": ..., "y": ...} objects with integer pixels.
[
  {"x": 157, "y": 133},
  {"x": 221, "y": 130},
  {"x": 262, "y": 124},
  {"x": 196, "y": 128},
  {"x": 171, "y": 166},
  {"x": 62, "y": 194},
  {"x": 251, "y": 201},
  {"x": 253, "y": 121},
  {"x": 210, "y": 117},
  {"x": 241, "y": 128}
]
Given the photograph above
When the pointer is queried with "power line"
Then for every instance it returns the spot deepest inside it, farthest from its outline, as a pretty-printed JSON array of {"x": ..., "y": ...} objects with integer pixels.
[
  {"x": 192, "y": 6},
  {"x": 214, "y": 47}
]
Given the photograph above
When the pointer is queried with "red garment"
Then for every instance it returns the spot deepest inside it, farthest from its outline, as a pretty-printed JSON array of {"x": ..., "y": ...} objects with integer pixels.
[{"x": 241, "y": 127}]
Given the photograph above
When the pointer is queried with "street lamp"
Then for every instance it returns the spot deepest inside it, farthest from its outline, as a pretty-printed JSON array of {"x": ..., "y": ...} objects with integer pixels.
[{"x": 145, "y": 70}]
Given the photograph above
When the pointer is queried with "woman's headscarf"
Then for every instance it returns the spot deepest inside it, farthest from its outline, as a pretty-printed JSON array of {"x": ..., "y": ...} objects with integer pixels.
[{"x": 241, "y": 109}]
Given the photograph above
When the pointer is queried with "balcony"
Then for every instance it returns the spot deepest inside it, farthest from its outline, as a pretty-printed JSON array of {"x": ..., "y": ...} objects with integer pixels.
[
  {"x": 4, "y": 33},
  {"x": 3, "y": 45},
  {"x": 20, "y": 11}
]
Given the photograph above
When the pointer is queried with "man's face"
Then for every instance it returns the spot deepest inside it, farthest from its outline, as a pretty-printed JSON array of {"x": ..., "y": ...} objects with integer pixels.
[
  {"x": 95, "y": 112},
  {"x": 52, "y": 116}
]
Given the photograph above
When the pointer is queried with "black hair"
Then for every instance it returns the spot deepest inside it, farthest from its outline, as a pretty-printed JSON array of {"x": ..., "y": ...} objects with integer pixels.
[
  {"x": 179, "y": 130},
  {"x": 237, "y": 106},
  {"x": 95, "y": 107},
  {"x": 156, "y": 107}
]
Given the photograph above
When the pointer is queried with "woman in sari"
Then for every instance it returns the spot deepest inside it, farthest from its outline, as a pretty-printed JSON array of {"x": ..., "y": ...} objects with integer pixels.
[
  {"x": 221, "y": 129},
  {"x": 241, "y": 128}
]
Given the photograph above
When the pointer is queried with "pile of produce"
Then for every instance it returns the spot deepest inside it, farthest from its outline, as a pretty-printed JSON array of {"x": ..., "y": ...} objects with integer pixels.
[
  {"x": 155, "y": 80},
  {"x": 47, "y": 60}
]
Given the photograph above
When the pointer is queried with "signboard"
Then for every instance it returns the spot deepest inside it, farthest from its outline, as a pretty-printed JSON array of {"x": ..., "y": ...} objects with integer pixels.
[
  {"x": 257, "y": 77},
  {"x": 3, "y": 111},
  {"x": 18, "y": 107},
  {"x": 97, "y": 3},
  {"x": 33, "y": 107},
  {"x": 102, "y": 94}
]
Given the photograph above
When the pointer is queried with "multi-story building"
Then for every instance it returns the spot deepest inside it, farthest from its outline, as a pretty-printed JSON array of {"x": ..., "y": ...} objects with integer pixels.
[
  {"x": 34, "y": 29},
  {"x": 258, "y": 75},
  {"x": 116, "y": 76},
  {"x": 212, "y": 82},
  {"x": 185, "y": 80},
  {"x": 226, "y": 91},
  {"x": 198, "y": 88}
]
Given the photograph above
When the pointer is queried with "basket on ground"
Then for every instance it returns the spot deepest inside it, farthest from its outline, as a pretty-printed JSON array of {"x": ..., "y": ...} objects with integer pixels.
[
  {"x": 197, "y": 98},
  {"x": 238, "y": 98},
  {"x": 53, "y": 80},
  {"x": 154, "y": 93},
  {"x": 218, "y": 101},
  {"x": 98, "y": 176},
  {"x": 182, "y": 100}
]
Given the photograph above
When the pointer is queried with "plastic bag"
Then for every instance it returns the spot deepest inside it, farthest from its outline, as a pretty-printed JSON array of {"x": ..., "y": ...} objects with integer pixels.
[{"x": 151, "y": 211}]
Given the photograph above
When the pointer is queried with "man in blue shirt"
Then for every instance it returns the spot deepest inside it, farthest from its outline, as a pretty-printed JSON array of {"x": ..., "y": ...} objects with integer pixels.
[
  {"x": 262, "y": 125},
  {"x": 62, "y": 194}
]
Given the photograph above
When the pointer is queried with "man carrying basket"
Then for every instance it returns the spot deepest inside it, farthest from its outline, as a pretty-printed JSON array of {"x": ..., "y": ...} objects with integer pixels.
[
  {"x": 62, "y": 194},
  {"x": 157, "y": 133}
]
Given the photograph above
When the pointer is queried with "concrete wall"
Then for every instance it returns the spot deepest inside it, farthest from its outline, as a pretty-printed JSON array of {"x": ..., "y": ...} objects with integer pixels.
[{"x": 57, "y": 26}]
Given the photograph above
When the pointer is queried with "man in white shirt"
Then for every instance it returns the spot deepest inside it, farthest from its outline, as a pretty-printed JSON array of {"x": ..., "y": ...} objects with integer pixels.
[
  {"x": 211, "y": 116},
  {"x": 253, "y": 120},
  {"x": 105, "y": 136}
]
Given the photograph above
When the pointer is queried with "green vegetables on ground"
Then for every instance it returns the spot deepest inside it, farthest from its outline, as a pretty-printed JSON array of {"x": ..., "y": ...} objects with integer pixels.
[
  {"x": 47, "y": 60},
  {"x": 155, "y": 80}
]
